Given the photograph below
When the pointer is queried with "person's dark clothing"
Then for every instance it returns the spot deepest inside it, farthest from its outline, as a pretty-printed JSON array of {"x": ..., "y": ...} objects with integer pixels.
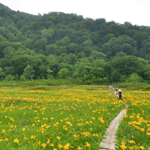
[{"x": 120, "y": 95}]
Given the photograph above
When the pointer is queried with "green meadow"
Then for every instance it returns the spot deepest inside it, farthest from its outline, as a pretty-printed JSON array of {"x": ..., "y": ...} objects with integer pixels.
[{"x": 69, "y": 117}]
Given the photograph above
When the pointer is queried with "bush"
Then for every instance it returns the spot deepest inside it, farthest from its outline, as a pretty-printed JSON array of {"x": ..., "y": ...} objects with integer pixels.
[
  {"x": 134, "y": 77},
  {"x": 10, "y": 78}
]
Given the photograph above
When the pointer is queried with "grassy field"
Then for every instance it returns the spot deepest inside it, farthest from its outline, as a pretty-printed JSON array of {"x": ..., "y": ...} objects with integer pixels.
[
  {"x": 134, "y": 130},
  {"x": 67, "y": 117}
]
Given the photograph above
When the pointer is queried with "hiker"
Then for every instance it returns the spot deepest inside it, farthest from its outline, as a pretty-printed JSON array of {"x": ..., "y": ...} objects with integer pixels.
[
  {"x": 110, "y": 87},
  {"x": 120, "y": 95},
  {"x": 116, "y": 94}
]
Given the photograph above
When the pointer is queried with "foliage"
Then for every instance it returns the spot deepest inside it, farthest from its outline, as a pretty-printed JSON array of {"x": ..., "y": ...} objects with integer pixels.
[
  {"x": 133, "y": 132},
  {"x": 93, "y": 51}
]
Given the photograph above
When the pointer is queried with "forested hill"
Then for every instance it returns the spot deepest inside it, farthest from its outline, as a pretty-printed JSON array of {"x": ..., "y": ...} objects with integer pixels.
[{"x": 59, "y": 45}]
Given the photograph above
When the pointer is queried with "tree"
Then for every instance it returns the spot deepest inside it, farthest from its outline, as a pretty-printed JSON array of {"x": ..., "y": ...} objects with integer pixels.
[
  {"x": 99, "y": 63},
  {"x": 63, "y": 73},
  {"x": 50, "y": 49},
  {"x": 97, "y": 55},
  {"x": 52, "y": 63},
  {"x": 40, "y": 45},
  {"x": 9, "y": 52},
  {"x": 2, "y": 74},
  {"x": 10, "y": 78},
  {"x": 147, "y": 73},
  {"x": 124, "y": 66},
  {"x": 48, "y": 34},
  {"x": 123, "y": 43},
  {"x": 73, "y": 48},
  {"x": 134, "y": 77},
  {"x": 49, "y": 73},
  {"x": 28, "y": 72},
  {"x": 20, "y": 62}
]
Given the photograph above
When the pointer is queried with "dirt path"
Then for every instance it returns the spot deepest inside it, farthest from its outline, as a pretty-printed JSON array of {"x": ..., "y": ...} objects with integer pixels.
[{"x": 110, "y": 139}]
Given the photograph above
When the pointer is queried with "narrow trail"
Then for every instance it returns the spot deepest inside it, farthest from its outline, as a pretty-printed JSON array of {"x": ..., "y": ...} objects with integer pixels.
[{"x": 110, "y": 136}]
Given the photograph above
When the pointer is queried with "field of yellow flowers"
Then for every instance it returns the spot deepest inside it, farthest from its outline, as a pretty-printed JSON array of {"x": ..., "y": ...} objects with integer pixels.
[
  {"x": 70, "y": 118},
  {"x": 134, "y": 130}
]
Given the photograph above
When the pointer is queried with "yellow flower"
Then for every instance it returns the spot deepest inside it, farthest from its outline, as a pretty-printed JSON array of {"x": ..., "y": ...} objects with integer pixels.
[
  {"x": 87, "y": 144},
  {"x": 3, "y": 131},
  {"x": 48, "y": 140},
  {"x": 148, "y": 133},
  {"x": 58, "y": 138},
  {"x": 66, "y": 146},
  {"x": 131, "y": 141},
  {"x": 33, "y": 137},
  {"x": 1, "y": 140},
  {"x": 23, "y": 129},
  {"x": 43, "y": 145},
  {"x": 60, "y": 146},
  {"x": 141, "y": 147},
  {"x": 51, "y": 145},
  {"x": 6, "y": 139},
  {"x": 16, "y": 141},
  {"x": 79, "y": 148},
  {"x": 123, "y": 145}
]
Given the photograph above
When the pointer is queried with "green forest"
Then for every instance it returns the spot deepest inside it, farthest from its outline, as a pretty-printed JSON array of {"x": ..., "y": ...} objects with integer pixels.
[{"x": 67, "y": 46}]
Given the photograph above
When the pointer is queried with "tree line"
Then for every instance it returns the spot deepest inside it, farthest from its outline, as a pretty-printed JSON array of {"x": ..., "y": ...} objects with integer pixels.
[{"x": 68, "y": 46}]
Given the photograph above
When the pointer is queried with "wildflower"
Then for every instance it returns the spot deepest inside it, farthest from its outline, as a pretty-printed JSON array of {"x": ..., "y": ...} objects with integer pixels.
[
  {"x": 142, "y": 129},
  {"x": 66, "y": 146},
  {"x": 6, "y": 139},
  {"x": 123, "y": 145},
  {"x": 16, "y": 141},
  {"x": 33, "y": 137},
  {"x": 141, "y": 147},
  {"x": 58, "y": 138},
  {"x": 87, "y": 144},
  {"x": 68, "y": 123},
  {"x": 131, "y": 141},
  {"x": 51, "y": 145},
  {"x": 125, "y": 116},
  {"x": 43, "y": 145},
  {"x": 148, "y": 133},
  {"x": 3, "y": 131},
  {"x": 1, "y": 140},
  {"x": 48, "y": 140},
  {"x": 60, "y": 146},
  {"x": 79, "y": 148},
  {"x": 23, "y": 129}
]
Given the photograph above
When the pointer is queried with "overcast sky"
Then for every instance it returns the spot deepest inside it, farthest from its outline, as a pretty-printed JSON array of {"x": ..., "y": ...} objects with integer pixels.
[{"x": 134, "y": 11}]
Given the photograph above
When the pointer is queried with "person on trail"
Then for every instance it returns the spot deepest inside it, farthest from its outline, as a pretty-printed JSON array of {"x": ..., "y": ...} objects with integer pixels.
[
  {"x": 120, "y": 95},
  {"x": 116, "y": 94}
]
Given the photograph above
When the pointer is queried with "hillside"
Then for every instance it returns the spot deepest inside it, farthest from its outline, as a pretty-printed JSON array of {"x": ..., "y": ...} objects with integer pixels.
[{"x": 59, "y": 45}]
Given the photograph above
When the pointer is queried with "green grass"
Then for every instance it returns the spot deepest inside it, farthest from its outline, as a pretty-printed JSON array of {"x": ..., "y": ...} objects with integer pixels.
[
  {"x": 134, "y": 130},
  {"x": 78, "y": 115}
]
